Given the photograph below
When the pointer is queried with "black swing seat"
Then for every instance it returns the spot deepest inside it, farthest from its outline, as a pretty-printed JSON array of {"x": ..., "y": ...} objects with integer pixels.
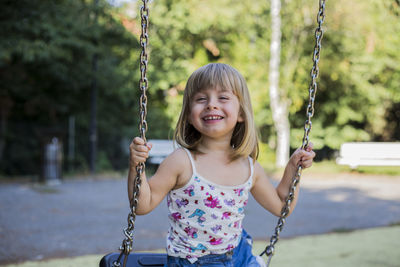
[{"x": 136, "y": 260}]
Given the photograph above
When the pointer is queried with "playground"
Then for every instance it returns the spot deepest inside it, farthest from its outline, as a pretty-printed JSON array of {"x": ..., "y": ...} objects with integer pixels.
[
  {"x": 341, "y": 219},
  {"x": 231, "y": 83}
]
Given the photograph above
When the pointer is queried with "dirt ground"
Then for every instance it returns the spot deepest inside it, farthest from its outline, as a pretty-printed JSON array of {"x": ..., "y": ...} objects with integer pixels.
[{"x": 86, "y": 216}]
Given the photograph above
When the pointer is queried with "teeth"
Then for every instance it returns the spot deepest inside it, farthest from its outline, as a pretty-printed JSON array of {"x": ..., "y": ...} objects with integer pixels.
[{"x": 212, "y": 118}]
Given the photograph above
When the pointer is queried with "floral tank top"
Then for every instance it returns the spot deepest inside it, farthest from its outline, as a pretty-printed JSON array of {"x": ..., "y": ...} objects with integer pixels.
[{"x": 205, "y": 218}]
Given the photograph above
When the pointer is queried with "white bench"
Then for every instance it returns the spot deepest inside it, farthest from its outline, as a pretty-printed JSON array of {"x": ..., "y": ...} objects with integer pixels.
[
  {"x": 160, "y": 150},
  {"x": 369, "y": 154}
]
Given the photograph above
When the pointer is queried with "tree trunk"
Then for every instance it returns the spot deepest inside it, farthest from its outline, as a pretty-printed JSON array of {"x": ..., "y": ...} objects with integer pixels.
[
  {"x": 93, "y": 118},
  {"x": 278, "y": 103},
  {"x": 5, "y": 107}
]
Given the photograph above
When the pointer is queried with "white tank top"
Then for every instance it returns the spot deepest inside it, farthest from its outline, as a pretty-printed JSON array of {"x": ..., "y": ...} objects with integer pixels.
[{"x": 205, "y": 217}]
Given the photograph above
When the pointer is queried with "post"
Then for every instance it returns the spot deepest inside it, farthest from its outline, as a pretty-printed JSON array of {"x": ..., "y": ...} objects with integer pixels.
[{"x": 93, "y": 107}]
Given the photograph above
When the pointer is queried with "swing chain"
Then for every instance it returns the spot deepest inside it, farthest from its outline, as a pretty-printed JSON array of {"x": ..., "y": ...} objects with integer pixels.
[
  {"x": 269, "y": 250},
  {"x": 127, "y": 243}
]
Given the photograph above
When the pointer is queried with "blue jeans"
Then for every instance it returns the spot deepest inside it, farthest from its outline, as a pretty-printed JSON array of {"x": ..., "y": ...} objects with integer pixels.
[{"x": 241, "y": 256}]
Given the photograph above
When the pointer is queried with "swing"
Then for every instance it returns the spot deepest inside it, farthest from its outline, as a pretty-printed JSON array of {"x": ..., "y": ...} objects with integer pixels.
[{"x": 156, "y": 259}]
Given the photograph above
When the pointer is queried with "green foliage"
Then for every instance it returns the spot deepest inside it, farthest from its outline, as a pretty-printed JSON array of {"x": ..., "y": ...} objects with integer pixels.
[
  {"x": 356, "y": 95},
  {"x": 358, "y": 92},
  {"x": 46, "y": 70}
]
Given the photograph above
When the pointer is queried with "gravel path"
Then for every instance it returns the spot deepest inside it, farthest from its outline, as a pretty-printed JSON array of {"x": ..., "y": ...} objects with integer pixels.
[{"x": 87, "y": 216}]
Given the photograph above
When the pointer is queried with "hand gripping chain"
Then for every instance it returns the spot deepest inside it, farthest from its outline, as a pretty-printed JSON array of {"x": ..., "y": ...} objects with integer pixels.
[
  {"x": 269, "y": 250},
  {"x": 127, "y": 243}
]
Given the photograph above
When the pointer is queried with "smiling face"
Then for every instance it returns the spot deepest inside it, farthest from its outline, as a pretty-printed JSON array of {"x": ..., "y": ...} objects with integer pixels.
[
  {"x": 216, "y": 102},
  {"x": 214, "y": 112}
]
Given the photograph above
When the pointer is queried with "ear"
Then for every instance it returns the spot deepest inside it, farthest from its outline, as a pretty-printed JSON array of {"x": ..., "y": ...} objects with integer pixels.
[{"x": 240, "y": 117}]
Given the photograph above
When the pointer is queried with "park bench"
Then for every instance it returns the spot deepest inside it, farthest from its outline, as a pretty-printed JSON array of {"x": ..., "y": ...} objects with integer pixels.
[
  {"x": 369, "y": 154},
  {"x": 160, "y": 150}
]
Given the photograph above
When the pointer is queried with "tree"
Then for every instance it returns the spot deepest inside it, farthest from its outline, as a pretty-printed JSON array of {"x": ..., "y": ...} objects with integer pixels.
[
  {"x": 45, "y": 69},
  {"x": 277, "y": 101}
]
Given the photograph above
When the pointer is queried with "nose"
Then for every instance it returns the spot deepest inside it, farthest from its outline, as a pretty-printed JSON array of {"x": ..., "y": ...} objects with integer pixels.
[{"x": 212, "y": 104}]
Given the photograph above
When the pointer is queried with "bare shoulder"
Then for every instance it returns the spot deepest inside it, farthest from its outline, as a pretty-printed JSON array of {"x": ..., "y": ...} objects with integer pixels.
[
  {"x": 177, "y": 162},
  {"x": 177, "y": 157},
  {"x": 259, "y": 171},
  {"x": 182, "y": 166},
  {"x": 170, "y": 171}
]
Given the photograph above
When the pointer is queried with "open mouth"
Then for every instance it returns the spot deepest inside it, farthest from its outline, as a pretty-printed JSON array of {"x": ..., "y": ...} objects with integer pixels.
[{"x": 212, "y": 118}]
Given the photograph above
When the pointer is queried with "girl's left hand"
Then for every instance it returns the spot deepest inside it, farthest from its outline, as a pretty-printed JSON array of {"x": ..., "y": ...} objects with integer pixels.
[{"x": 301, "y": 157}]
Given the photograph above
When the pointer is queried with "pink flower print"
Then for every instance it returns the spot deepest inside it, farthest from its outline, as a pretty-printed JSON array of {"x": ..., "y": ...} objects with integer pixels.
[
  {"x": 216, "y": 228},
  {"x": 230, "y": 202},
  {"x": 176, "y": 215},
  {"x": 245, "y": 203},
  {"x": 212, "y": 202},
  {"x": 226, "y": 215},
  {"x": 189, "y": 191},
  {"x": 191, "y": 231},
  {"x": 181, "y": 202},
  {"x": 230, "y": 247},
  {"x": 236, "y": 224},
  {"x": 214, "y": 241},
  {"x": 239, "y": 191}
]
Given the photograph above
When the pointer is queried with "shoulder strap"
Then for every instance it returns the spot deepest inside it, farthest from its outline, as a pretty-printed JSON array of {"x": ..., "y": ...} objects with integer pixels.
[
  {"x": 191, "y": 159},
  {"x": 251, "y": 168}
]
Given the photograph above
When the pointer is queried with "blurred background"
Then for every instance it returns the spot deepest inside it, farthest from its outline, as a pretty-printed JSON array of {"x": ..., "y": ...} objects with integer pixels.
[
  {"x": 69, "y": 101},
  {"x": 69, "y": 74}
]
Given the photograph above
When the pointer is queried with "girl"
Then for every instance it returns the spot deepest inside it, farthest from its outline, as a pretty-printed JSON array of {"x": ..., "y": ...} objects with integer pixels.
[{"x": 208, "y": 179}]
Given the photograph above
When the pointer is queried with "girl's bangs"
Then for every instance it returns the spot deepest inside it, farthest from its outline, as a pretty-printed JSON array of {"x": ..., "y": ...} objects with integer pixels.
[{"x": 213, "y": 76}]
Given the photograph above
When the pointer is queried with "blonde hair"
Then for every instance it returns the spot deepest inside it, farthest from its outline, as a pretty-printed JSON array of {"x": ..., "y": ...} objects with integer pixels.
[{"x": 244, "y": 138}]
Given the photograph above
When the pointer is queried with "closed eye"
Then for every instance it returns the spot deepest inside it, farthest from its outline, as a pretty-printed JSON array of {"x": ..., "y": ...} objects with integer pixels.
[{"x": 199, "y": 99}]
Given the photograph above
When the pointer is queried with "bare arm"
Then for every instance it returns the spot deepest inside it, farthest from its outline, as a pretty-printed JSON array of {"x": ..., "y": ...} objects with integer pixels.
[
  {"x": 152, "y": 191},
  {"x": 273, "y": 199}
]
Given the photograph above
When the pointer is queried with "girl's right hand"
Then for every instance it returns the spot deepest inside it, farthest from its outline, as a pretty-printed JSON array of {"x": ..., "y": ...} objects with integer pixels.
[{"x": 139, "y": 151}]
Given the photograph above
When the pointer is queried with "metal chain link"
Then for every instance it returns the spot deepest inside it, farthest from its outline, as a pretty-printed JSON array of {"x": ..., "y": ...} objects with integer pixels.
[
  {"x": 127, "y": 243},
  {"x": 270, "y": 249}
]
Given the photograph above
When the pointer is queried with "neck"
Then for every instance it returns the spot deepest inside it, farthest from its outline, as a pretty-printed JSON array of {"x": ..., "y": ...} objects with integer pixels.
[{"x": 208, "y": 145}]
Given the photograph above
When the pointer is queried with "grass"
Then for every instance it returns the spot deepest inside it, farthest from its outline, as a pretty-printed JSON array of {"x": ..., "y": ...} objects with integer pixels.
[
  {"x": 330, "y": 167},
  {"x": 367, "y": 248},
  {"x": 383, "y": 170}
]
